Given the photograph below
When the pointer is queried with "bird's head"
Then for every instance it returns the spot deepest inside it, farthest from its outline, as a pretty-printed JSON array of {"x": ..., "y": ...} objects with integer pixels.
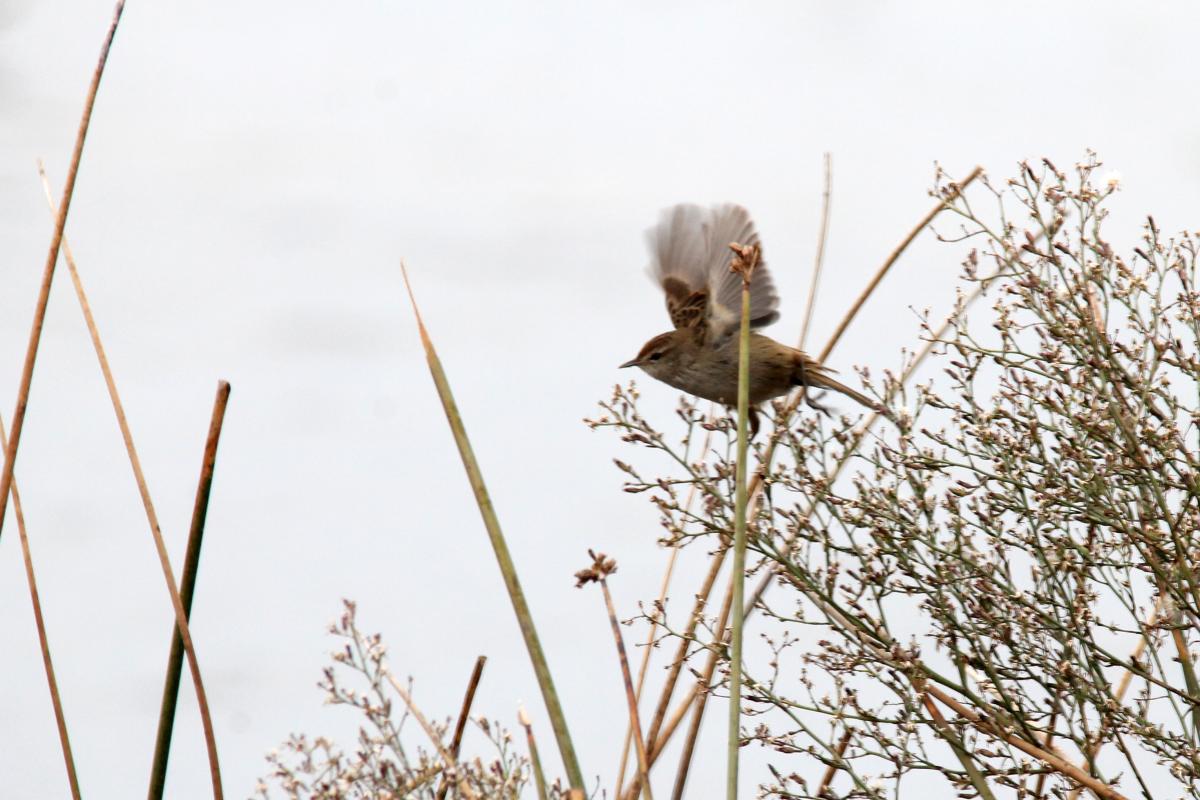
[{"x": 660, "y": 356}]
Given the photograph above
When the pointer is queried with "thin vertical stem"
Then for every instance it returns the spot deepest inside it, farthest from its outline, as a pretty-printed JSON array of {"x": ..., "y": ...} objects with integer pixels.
[
  {"x": 831, "y": 770},
  {"x": 739, "y": 541},
  {"x": 535, "y": 760},
  {"x": 819, "y": 263},
  {"x": 464, "y": 714},
  {"x": 60, "y": 718},
  {"x": 631, "y": 698},
  {"x": 191, "y": 564},
  {"x": 39, "y": 312}
]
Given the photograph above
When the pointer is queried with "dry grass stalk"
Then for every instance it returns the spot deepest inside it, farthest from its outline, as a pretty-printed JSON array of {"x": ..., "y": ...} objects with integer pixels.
[
  {"x": 598, "y": 572},
  {"x": 819, "y": 262},
  {"x": 181, "y": 622},
  {"x": 60, "y": 719},
  {"x": 39, "y": 312},
  {"x": 831, "y": 770},
  {"x": 960, "y": 750},
  {"x": 535, "y": 761},
  {"x": 464, "y": 714},
  {"x": 451, "y": 763},
  {"x": 1047, "y": 755},
  {"x": 191, "y": 565}
]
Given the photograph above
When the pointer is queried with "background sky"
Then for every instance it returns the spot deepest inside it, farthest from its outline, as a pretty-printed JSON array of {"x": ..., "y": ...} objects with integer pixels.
[{"x": 253, "y": 176}]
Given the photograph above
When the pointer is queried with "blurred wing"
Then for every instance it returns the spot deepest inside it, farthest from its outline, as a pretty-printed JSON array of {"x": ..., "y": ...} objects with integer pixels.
[
  {"x": 731, "y": 223},
  {"x": 690, "y": 247},
  {"x": 680, "y": 251}
]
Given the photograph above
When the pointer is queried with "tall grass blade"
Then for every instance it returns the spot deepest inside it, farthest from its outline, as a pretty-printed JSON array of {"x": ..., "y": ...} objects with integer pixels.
[{"x": 508, "y": 570}]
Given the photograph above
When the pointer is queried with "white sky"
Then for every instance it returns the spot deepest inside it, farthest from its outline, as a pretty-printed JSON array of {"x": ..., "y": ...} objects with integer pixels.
[{"x": 254, "y": 174}]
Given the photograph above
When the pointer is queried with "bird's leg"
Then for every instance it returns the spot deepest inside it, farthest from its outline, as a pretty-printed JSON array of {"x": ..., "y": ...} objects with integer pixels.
[
  {"x": 753, "y": 422},
  {"x": 813, "y": 404},
  {"x": 801, "y": 367}
]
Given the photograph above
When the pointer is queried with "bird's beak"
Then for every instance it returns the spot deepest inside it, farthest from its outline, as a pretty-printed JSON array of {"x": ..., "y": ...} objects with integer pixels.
[{"x": 633, "y": 362}]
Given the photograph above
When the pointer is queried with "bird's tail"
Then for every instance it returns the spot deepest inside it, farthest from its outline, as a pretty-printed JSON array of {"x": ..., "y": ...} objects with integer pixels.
[{"x": 812, "y": 374}]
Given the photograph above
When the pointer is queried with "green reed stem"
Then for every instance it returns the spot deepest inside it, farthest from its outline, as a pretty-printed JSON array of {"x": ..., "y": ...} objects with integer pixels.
[
  {"x": 739, "y": 547},
  {"x": 508, "y": 570}
]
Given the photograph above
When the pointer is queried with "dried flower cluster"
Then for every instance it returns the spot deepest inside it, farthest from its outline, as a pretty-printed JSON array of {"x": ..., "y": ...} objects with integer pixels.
[
  {"x": 999, "y": 595},
  {"x": 384, "y": 765}
]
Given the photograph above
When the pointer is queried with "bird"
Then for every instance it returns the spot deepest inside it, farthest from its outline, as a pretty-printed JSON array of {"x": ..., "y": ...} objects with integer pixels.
[{"x": 691, "y": 262}]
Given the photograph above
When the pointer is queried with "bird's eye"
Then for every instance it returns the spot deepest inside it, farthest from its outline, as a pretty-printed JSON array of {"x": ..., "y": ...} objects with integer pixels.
[{"x": 655, "y": 356}]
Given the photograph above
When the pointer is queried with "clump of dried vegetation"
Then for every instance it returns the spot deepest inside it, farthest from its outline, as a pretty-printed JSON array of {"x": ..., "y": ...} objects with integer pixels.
[
  {"x": 994, "y": 596},
  {"x": 1000, "y": 595},
  {"x": 382, "y": 765}
]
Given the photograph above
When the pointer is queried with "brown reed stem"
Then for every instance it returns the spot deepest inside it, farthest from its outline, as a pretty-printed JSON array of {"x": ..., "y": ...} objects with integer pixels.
[
  {"x": 660, "y": 734},
  {"x": 43, "y": 640},
  {"x": 464, "y": 714},
  {"x": 191, "y": 564},
  {"x": 39, "y": 312},
  {"x": 630, "y": 697},
  {"x": 831, "y": 770},
  {"x": 135, "y": 463},
  {"x": 819, "y": 263},
  {"x": 1046, "y": 755},
  {"x": 451, "y": 763},
  {"x": 960, "y": 750},
  {"x": 1040, "y": 784},
  {"x": 891, "y": 259},
  {"x": 644, "y": 667}
]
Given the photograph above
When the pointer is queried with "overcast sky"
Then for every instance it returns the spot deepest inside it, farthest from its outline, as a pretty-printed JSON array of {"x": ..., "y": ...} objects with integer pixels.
[{"x": 254, "y": 175}]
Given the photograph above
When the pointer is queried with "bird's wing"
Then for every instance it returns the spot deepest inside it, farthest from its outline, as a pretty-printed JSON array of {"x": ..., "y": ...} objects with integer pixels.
[{"x": 690, "y": 248}]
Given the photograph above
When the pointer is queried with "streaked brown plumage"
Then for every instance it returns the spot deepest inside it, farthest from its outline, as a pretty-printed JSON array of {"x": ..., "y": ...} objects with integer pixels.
[{"x": 690, "y": 248}]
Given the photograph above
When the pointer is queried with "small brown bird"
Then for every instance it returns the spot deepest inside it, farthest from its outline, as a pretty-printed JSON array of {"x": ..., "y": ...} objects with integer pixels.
[{"x": 692, "y": 257}]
